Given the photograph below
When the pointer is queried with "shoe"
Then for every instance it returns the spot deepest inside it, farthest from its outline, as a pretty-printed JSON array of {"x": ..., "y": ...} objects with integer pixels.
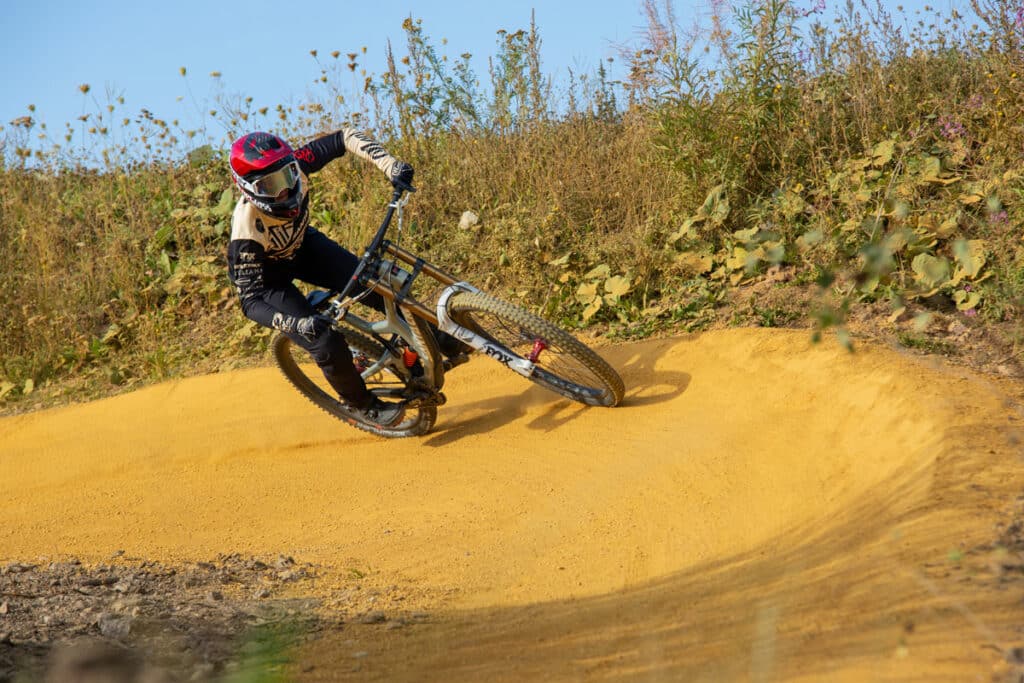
[{"x": 384, "y": 414}]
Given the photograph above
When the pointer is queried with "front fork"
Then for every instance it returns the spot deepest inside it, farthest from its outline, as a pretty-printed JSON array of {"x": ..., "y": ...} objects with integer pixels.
[{"x": 523, "y": 366}]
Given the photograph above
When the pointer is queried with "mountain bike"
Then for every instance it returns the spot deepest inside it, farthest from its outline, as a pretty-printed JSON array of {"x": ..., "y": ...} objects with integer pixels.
[{"x": 399, "y": 356}]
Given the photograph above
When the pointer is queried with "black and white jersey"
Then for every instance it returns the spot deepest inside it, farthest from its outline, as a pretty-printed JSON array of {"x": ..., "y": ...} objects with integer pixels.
[{"x": 260, "y": 240}]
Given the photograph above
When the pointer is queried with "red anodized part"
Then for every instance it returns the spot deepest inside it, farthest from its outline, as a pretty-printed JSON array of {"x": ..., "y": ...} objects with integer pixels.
[
  {"x": 258, "y": 152},
  {"x": 538, "y": 346}
]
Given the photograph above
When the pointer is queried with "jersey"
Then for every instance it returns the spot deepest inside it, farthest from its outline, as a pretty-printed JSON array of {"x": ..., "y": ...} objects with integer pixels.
[{"x": 260, "y": 240}]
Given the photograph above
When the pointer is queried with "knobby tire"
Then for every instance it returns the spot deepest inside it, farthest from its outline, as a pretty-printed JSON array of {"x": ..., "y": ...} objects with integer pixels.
[
  {"x": 567, "y": 366},
  {"x": 417, "y": 421}
]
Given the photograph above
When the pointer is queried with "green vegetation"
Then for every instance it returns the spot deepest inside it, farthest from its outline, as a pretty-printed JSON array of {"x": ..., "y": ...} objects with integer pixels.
[
  {"x": 265, "y": 654},
  {"x": 773, "y": 170},
  {"x": 935, "y": 346}
]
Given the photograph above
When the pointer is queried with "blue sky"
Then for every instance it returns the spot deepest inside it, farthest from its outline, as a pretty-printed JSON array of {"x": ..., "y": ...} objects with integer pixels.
[{"x": 135, "y": 48}]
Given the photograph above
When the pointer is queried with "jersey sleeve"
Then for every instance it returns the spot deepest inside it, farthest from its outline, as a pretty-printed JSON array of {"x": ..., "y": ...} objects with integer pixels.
[
  {"x": 316, "y": 154},
  {"x": 365, "y": 147},
  {"x": 246, "y": 259}
]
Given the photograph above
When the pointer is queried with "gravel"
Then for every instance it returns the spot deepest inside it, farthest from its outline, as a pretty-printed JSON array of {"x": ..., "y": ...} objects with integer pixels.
[{"x": 145, "y": 621}]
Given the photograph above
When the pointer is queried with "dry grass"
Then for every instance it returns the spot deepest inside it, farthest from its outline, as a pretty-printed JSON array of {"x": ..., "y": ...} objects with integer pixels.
[{"x": 879, "y": 156}]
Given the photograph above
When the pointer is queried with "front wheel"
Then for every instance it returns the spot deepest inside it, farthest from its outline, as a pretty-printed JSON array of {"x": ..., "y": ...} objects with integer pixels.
[
  {"x": 562, "y": 363},
  {"x": 300, "y": 370}
]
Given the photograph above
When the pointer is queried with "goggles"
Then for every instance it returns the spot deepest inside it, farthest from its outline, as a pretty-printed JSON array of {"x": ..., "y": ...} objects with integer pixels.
[{"x": 273, "y": 184}]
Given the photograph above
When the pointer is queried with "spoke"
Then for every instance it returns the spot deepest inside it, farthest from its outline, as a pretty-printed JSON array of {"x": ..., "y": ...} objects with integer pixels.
[{"x": 538, "y": 350}]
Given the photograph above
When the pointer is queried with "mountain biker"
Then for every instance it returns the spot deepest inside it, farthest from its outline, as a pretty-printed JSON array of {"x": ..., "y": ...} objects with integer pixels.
[{"x": 272, "y": 244}]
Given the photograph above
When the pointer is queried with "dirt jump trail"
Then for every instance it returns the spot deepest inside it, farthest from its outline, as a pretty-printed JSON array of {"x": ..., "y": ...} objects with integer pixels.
[{"x": 758, "y": 509}]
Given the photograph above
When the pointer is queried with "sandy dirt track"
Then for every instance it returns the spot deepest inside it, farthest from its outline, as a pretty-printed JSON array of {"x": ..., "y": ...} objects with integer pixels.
[{"x": 758, "y": 509}]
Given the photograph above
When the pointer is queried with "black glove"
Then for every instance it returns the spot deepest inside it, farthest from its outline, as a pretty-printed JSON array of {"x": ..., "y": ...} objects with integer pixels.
[
  {"x": 401, "y": 176},
  {"x": 313, "y": 326}
]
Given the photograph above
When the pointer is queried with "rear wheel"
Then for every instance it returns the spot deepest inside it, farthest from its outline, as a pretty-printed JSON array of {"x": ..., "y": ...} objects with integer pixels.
[
  {"x": 563, "y": 364},
  {"x": 300, "y": 370}
]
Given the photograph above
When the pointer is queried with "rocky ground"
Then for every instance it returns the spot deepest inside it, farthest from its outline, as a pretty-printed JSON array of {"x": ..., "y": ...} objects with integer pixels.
[
  {"x": 236, "y": 618},
  {"x": 143, "y": 621}
]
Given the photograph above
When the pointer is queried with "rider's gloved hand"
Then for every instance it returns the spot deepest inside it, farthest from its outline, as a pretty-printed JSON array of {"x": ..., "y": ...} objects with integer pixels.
[
  {"x": 313, "y": 326},
  {"x": 401, "y": 175}
]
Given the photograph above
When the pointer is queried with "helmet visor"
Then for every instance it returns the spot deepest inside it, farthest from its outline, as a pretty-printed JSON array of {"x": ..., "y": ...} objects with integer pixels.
[{"x": 273, "y": 184}]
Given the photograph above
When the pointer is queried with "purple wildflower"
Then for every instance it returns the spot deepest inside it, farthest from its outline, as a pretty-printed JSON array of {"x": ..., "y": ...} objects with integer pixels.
[
  {"x": 950, "y": 128},
  {"x": 1019, "y": 19},
  {"x": 999, "y": 217},
  {"x": 975, "y": 101},
  {"x": 971, "y": 312}
]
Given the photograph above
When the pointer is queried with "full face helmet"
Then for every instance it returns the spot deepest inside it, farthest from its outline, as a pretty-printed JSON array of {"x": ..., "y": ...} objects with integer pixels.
[{"x": 265, "y": 170}]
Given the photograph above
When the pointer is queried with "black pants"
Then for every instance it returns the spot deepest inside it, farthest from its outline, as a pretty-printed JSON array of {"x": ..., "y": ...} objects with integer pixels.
[{"x": 322, "y": 262}]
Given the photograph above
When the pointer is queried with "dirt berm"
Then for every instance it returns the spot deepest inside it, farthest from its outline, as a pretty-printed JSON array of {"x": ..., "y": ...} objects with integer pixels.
[{"x": 758, "y": 509}]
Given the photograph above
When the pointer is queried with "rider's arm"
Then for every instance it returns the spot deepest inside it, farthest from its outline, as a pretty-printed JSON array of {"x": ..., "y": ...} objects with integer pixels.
[
  {"x": 245, "y": 268},
  {"x": 247, "y": 258},
  {"x": 314, "y": 155}
]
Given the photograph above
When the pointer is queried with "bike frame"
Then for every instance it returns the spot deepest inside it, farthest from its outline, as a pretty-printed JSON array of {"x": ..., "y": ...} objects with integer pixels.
[{"x": 396, "y": 296}]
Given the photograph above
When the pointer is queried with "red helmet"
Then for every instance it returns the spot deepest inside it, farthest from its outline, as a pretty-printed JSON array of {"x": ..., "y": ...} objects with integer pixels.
[{"x": 265, "y": 170}]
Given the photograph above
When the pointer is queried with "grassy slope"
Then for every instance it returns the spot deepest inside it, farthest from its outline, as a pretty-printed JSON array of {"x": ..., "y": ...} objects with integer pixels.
[{"x": 882, "y": 195}]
